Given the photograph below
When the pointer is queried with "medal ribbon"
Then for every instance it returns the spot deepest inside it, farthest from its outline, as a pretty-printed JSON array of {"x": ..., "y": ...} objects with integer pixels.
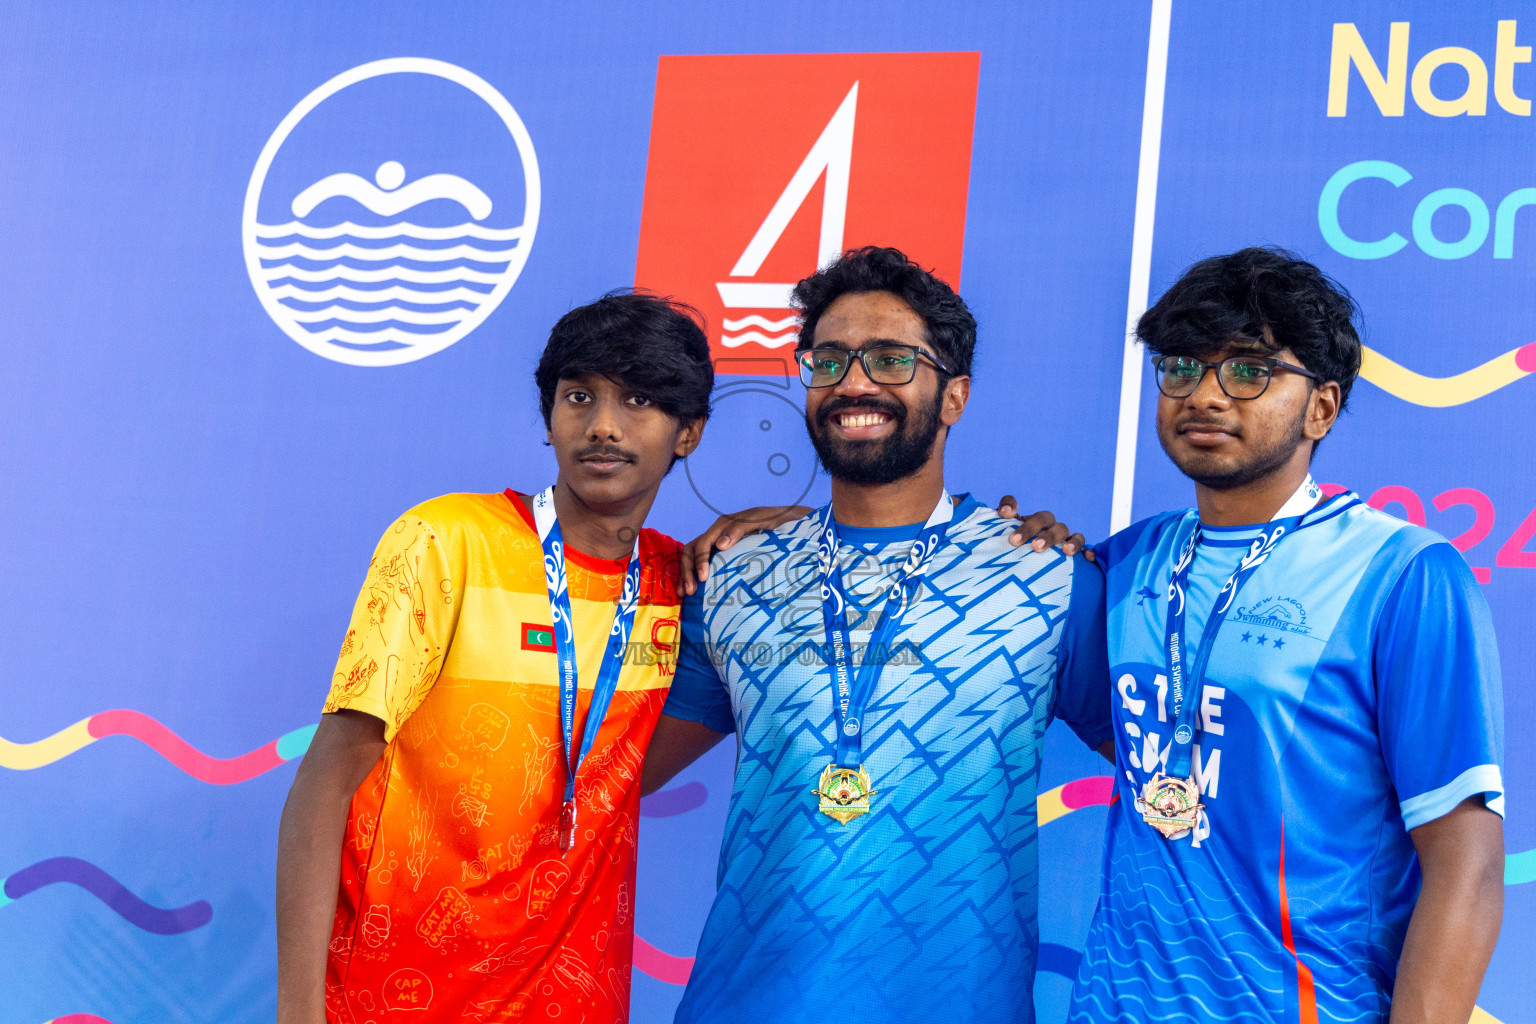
[
  {"x": 565, "y": 649},
  {"x": 851, "y": 692},
  {"x": 1190, "y": 684}
]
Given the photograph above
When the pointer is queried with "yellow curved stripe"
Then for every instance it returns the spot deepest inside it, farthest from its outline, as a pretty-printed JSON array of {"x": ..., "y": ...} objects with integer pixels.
[
  {"x": 24, "y": 756},
  {"x": 1049, "y": 805},
  {"x": 1441, "y": 392},
  {"x": 1482, "y": 1016}
]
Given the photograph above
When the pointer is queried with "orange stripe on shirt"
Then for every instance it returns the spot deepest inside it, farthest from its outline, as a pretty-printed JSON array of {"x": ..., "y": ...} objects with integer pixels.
[{"x": 1306, "y": 991}]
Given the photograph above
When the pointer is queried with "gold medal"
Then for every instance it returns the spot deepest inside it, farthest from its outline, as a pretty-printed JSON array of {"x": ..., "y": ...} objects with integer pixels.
[
  {"x": 844, "y": 793},
  {"x": 1170, "y": 805}
]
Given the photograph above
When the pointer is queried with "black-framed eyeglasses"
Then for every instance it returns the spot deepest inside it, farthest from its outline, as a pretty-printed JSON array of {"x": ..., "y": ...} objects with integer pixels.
[
  {"x": 886, "y": 363},
  {"x": 1241, "y": 377}
]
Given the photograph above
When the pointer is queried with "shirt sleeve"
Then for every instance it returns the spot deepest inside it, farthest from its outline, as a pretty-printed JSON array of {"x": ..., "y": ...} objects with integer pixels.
[
  {"x": 1439, "y": 693},
  {"x": 698, "y": 693},
  {"x": 401, "y": 626},
  {"x": 1082, "y": 668}
]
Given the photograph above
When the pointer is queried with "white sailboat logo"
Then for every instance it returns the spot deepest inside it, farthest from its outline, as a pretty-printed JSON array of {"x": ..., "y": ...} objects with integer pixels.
[
  {"x": 832, "y": 155},
  {"x": 389, "y": 290}
]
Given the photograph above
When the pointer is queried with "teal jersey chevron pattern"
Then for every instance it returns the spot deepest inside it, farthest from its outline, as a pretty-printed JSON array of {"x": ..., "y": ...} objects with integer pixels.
[
  {"x": 924, "y": 909},
  {"x": 1352, "y": 694}
]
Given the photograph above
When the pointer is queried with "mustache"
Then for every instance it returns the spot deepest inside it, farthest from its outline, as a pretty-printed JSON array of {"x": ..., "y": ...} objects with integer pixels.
[
  {"x": 1198, "y": 422},
  {"x": 605, "y": 451},
  {"x": 834, "y": 406}
]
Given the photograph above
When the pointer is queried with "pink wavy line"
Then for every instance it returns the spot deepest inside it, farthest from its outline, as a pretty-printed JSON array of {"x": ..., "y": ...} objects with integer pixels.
[
  {"x": 673, "y": 970},
  {"x": 1093, "y": 791},
  {"x": 78, "y": 1018},
  {"x": 221, "y": 771}
]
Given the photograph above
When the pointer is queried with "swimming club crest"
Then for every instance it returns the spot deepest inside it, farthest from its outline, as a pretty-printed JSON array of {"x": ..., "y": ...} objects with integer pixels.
[{"x": 391, "y": 211}]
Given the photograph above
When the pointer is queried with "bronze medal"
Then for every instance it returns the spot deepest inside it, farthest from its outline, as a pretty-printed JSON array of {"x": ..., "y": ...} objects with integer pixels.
[{"x": 1171, "y": 805}]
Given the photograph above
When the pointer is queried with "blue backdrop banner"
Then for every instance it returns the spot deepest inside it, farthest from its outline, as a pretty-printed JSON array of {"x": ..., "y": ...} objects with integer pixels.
[{"x": 272, "y": 274}]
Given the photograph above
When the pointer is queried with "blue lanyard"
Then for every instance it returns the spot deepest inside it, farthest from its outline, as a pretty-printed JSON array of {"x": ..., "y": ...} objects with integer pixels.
[
  {"x": 851, "y": 693},
  {"x": 1191, "y": 683},
  {"x": 565, "y": 651}
]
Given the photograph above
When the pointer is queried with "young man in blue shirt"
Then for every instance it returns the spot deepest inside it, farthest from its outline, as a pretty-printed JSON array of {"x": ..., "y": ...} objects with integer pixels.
[
  {"x": 1307, "y": 704},
  {"x": 889, "y": 664}
]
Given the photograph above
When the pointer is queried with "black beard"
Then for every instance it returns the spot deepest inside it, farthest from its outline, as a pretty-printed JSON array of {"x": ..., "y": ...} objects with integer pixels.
[
  {"x": 1265, "y": 461},
  {"x": 876, "y": 462}
]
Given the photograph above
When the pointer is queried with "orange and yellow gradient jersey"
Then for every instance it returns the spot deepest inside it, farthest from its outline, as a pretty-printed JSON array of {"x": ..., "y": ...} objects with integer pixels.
[{"x": 454, "y": 899}]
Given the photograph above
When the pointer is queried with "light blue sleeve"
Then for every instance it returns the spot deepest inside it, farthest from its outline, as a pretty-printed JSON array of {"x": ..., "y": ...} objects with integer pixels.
[
  {"x": 698, "y": 693},
  {"x": 1440, "y": 707}
]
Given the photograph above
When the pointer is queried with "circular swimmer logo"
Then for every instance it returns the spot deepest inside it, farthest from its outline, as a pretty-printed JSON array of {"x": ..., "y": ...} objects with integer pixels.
[{"x": 391, "y": 211}]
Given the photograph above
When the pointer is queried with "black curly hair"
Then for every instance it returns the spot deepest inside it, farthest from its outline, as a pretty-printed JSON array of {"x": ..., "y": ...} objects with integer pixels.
[
  {"x": 652, "y": 344},
  {"x": 951, "y": 328},
  {"x": 1264, "y": 295}
]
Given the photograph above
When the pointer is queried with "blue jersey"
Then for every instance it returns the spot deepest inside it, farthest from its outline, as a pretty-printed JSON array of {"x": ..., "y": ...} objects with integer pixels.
[
  {"x": 923, "y": 909},
  {"x": 1352, "y": 694}
]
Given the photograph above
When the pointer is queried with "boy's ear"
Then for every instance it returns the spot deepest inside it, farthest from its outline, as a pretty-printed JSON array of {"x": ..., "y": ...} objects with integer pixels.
[{"x": 688, "y": 437}]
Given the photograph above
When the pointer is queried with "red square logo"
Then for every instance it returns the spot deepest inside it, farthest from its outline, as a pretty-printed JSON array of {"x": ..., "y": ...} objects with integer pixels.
[{"x": 764, "y": 167}]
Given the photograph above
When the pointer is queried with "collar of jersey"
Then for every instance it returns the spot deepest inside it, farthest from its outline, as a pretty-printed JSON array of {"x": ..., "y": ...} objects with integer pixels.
[
  {"x": 1242, "y": 536},
  {"x": 879, "y": 536},
  {"x": 591, "y": 563}
]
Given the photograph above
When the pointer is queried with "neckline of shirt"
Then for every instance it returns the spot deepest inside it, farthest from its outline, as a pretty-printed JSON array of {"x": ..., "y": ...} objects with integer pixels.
[
  {"x": 1242, "y": 536},
  {"x": 879, "y": 536},
  {"x": 591, "y": 563}
]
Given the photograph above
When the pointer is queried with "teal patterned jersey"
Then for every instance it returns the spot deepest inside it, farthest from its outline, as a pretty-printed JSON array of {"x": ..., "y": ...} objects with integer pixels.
[{"x": 925, "y": 908}]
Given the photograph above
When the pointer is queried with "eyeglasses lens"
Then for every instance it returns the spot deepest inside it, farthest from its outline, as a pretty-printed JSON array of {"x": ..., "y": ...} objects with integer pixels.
[
  {"x": 890, "y": 364},
  {"x": 1178, "y": 376},
  {"x": 1244, "y": 378},
  {"x": 822, "y": 367}
]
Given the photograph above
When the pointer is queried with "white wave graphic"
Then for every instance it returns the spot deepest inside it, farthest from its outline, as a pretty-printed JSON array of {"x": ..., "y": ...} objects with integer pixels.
[
  {"x": 394, "y": 293},
  {"x": 403, "y": 229},
  {"x": 392, "y": 197},
  {"x": 371, "y": 338},
  {"x": 378, "y": 316},
  {"x": 341, "y": 272},
  {"x": 400, "y": 251},
  {"x": 737, "y": 340},
  {"x": 772, "y": 326}
]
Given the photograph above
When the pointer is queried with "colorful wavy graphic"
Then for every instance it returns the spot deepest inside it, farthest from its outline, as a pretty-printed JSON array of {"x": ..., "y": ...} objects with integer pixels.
[
  {"x": 114, "y": 894},
  {"x": 662, "y": 966},
  {"x": 78, "y": 1018},
  {"x": 1092, "y": 791},
  {"x": 1520, "y": 868},
  {"x": 220, "y": 771},
  {"x": 1443, "y": 392}
]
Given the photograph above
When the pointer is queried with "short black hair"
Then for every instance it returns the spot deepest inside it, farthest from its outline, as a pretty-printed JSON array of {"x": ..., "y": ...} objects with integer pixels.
[
  {"x": 951, "y": 328},
  {"x": 649, "y": 343},
  {"x": 1265, "y": 295}
]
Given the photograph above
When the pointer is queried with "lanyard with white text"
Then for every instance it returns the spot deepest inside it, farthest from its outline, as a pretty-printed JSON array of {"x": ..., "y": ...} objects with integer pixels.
[
  {"x": 851, "y": 694},
  {"x": 1180, "y": 682},
  {"x": 565, "y": 651}
]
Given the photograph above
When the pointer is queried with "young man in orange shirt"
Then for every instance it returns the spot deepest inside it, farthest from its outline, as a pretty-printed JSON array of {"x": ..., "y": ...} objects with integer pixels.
[{"x": 460, "y": 838}]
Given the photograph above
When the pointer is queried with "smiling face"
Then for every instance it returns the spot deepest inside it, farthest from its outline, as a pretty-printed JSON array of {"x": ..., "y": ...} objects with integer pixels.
[
  {"x": 613, "y": 444},
  {"x": 1224, "y": 443},
  {"x": 868, "y": 433}
]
